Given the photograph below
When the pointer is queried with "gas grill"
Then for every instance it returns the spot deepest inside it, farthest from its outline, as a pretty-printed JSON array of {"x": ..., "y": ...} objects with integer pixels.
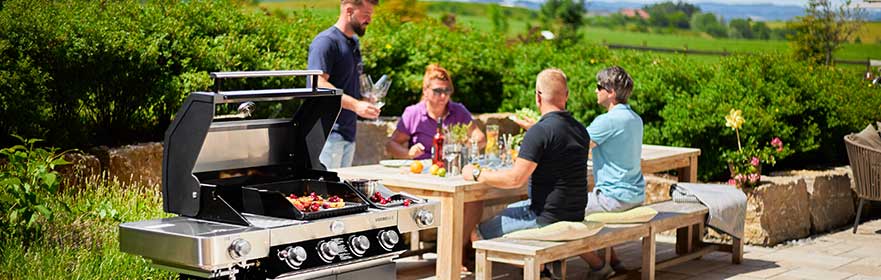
[{"x": 231, "y": 161}]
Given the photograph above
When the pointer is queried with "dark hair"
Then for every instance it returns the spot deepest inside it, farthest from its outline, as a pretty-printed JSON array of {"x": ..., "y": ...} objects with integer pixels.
[{"x": 617, "y": 79}]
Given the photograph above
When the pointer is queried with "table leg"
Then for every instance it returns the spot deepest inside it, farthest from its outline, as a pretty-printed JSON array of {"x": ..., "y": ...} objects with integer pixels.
[
  {"x": 689, "y": 173},
  {"x": 414, "y": 243},
  {"x": 449, "y": 237}
]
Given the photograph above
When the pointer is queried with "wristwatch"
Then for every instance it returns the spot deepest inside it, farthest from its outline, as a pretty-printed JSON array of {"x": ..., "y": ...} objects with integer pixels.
[{"x": 475, "y": 173}]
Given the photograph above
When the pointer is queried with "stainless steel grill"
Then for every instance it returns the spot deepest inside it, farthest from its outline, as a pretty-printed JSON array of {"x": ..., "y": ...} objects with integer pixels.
[{"x": 228, "y": 168}]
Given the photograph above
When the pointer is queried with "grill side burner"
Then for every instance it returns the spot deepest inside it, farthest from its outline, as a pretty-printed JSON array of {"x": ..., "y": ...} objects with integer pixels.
[{"x": 228, "y": 176}]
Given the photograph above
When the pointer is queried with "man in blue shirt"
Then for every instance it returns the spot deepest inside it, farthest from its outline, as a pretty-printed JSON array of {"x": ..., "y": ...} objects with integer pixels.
[
  {"x": 337, "y": 52},
  {"x": 616, "y": 147}
]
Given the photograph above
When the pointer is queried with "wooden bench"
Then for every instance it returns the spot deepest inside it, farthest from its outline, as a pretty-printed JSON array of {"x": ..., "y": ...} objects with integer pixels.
[{"x": 687, "y": 218}]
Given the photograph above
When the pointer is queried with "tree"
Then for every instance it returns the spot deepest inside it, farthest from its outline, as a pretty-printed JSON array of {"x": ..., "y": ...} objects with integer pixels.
[
  {"x": 669, "y": 14},
  {"x": 761, "y": 30},
  {"x": 499, "y": 19},
  {"x": 740, "y": 29},
  {"x": 565, "y": 17},
  {"x": 824, "y": 28},
  {"x": 707, "y": 22}
]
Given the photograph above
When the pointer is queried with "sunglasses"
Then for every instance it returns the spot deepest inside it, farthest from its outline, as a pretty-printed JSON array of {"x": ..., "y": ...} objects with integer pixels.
[
  {"x": 600, "y": 87},
  {"x": 439, "y": 91}
]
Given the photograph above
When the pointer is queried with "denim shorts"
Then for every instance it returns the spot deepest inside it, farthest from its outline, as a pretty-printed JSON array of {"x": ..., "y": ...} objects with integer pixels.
[
  {"x": 517, "y": 216},
  {"x": 337, "y": 152},
  {"x": 598, "y": 202}
]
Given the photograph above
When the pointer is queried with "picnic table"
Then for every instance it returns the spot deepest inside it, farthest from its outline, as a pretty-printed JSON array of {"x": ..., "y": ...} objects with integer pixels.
[{"x": 453, "y": 192}]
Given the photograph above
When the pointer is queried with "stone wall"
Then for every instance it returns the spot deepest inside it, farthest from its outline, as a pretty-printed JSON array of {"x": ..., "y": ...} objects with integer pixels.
[
  {"x": 830, "y": 197},
  {"x": 777, "y": 211},
  {"x": 132, "y": 164}
]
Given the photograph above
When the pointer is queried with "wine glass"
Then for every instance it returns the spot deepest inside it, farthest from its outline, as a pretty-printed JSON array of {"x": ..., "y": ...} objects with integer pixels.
[{"x": 380, "y": 88}]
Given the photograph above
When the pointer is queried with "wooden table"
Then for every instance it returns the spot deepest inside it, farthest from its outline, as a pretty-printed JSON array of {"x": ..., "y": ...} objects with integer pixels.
[{"x": 453, "y": 192}]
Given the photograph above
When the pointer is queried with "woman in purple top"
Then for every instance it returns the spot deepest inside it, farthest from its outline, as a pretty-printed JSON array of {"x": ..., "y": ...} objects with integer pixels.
[
  {"x": 416, "y": 130},
  {"x": 413, "y": 137}
]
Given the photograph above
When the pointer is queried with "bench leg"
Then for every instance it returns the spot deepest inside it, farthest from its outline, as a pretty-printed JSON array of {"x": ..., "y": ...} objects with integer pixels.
[
  {"x": 531, "y": 269},
  {"x": 737, "y": 251},
  {"x": 684, "y": 240},
  {"x": 483, "y": 267},
  {"x": 648, "y": 256},
  {"x": 563, "y": 269}
]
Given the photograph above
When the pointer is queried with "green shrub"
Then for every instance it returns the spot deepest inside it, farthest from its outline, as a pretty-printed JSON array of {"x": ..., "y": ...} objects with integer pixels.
[
  {"x": 475, "y": 60},
  {"x": 92, "y": 72},
  {"x": 28, "y": 185}
]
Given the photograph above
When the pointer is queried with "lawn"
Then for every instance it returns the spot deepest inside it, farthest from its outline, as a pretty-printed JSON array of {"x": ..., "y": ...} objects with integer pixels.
[{"x": 474, "y": 16}]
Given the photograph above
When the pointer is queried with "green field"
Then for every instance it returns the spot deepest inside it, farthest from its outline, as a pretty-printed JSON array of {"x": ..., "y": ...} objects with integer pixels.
[{"x": 473, "y": 16}]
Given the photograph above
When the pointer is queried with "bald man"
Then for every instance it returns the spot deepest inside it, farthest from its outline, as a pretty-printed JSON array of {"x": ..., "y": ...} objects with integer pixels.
[{"x": 552, "y": 158}]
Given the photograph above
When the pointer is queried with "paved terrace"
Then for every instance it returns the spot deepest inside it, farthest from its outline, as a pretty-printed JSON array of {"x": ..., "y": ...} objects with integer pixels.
[{"x": 838, "y": 255}]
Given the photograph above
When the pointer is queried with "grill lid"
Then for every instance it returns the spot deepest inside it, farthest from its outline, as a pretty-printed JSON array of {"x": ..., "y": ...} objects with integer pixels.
[{"x": 200, "y": 144}]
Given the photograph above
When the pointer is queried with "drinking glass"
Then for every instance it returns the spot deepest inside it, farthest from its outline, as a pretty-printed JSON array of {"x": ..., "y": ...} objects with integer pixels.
[
  {"x": 453, "y": 158},
  {"x": 492, "y": 140},
  {"x": 380, "y": 88}
]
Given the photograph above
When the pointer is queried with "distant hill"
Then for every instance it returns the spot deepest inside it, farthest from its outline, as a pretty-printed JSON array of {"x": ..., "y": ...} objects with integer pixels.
[{"x": 763, "y": 12}]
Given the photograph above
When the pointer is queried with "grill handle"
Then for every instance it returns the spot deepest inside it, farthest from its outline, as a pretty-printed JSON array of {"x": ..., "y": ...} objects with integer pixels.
[{"x": 310, "y": 74}]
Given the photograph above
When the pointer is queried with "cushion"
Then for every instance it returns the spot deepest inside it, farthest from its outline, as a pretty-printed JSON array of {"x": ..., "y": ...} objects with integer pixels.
[
  {"x": 559, "y": 231},
  {"x": 868, "y": 137},
  {"x": 636, "y": 215}
]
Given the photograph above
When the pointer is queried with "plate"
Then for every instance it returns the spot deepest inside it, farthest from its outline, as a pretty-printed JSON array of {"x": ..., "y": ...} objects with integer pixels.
[{"x": 395, "y": 162}]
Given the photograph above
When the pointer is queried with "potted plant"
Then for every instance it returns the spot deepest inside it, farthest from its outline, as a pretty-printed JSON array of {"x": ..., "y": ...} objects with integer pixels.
[{"x": 745, "y": 163}]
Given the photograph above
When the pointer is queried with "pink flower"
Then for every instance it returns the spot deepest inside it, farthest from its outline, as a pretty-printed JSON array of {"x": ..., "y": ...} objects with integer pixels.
[
  {"x": 779, "y": 148},
  {"x": 754, "y": 178},
  {"x": 732, "y": 182},
  {"x": 755, "y": 161},
  {"x": 739, "y": 178},
  {"x": 776, "y": 142}
]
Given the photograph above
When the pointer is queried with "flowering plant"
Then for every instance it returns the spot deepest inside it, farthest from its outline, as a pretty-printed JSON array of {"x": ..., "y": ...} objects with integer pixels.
[{"x": 745, "y": 163}]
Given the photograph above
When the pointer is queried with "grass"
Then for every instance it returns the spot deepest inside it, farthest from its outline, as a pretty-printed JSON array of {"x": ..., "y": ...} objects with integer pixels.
[
  {"x": 870, "y": 32},
  {"x": 83, "y": 243}
]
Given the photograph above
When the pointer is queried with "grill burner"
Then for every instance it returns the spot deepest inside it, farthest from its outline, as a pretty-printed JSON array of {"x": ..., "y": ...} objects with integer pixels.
[{"x": 228, "y": 177}]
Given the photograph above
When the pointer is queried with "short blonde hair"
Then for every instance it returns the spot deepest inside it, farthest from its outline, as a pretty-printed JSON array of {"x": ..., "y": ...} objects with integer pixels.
[
  {"x": 435, "y": 72},
  {"x": 552, "y": 81}
]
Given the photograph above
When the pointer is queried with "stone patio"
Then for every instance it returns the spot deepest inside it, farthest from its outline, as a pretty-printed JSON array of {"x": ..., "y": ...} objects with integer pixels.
[{"x": 837, "y": 255}]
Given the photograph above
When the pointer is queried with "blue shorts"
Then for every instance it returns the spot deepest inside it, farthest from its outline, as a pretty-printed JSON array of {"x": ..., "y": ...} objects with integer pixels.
[{"x": 517, "y": 216}]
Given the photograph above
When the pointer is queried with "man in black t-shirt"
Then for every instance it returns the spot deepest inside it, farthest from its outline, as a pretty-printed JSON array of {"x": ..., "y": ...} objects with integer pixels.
[
  {"x": 337, "y": 52},
  {"x": 552, "y": 158}
]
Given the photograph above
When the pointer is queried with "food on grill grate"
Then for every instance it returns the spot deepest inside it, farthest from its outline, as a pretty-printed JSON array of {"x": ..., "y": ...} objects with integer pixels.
[{"x": 314, "y": 202}]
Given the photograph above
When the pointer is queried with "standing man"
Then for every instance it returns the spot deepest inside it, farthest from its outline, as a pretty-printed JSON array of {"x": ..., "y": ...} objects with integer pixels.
[
  {"x": 552, "y": 158},
  {"x": 616, "y": 143},
  {"x": 337, "y": 52}
]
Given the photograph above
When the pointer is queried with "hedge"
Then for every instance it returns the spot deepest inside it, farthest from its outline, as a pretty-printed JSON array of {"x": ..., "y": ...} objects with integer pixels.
[{"x": 83, "y": 73}]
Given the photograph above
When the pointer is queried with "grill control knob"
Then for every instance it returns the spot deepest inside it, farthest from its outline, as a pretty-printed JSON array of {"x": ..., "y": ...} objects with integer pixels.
[
  {"x": 329, "y": 250},
  {"x": 388, "y": 239},
  {"x": 239, "y": 248},
  {"x": 294, "y": 256},
  {"x": 360, "y": 244},
  {"x": 424, "y": 217}
]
